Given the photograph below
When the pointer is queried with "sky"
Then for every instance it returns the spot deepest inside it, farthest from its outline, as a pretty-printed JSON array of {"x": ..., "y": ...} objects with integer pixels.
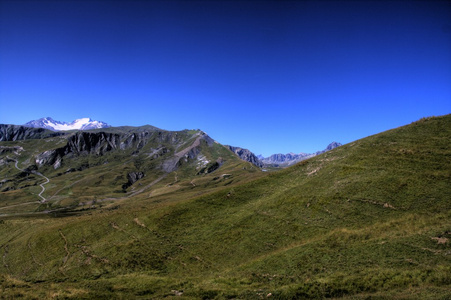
[{"x": 270, "y": 76}]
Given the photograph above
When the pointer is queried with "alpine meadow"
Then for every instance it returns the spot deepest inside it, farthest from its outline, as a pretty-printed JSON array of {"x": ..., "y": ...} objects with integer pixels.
[{"x": 146, "y": 213}]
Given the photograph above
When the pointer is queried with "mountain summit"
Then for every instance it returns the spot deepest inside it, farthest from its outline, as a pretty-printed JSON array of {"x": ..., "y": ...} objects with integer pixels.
[{"x": 79, "y": 124}]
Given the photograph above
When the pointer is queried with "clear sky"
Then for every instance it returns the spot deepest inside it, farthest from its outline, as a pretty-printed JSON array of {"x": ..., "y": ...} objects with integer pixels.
[{"x": 270, "y": 76}]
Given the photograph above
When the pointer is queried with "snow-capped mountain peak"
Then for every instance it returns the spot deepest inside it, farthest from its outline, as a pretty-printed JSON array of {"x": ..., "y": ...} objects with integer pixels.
[{"x": 79, "y": 124}]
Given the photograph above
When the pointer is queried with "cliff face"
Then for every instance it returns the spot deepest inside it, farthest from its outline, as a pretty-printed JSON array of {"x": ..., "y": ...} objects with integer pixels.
[
  {"x": 99, "y": 143},
  {"x": 246, "y": 155},
  {"x": 17, "y": 133},
  {"x": 172, "y": 149}
]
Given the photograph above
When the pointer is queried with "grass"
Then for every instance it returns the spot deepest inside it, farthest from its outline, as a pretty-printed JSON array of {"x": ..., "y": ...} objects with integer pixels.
[{"x": 367, "y": 220}]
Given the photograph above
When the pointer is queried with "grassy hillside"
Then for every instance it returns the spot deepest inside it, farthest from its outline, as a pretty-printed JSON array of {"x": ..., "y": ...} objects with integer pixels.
[
  {"x": 370, "y": 219},
  {"x": 96, "y": 179}
]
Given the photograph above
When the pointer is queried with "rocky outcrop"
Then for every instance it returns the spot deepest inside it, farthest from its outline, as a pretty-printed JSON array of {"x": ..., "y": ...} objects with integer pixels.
[
  {"x": 17, "y": 133},
  {"x": 246, "y": 155},
  {"x": 12, "y": 149},
  {"x": 132, "y": 178},
  {"x": 212, "y": 166}
]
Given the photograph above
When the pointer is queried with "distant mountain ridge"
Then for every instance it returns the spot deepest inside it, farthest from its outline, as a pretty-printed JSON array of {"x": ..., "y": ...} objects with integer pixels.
[
  {"x": 17, "y": 133},
  {"x": 79, "y": 124},
  {"x": 246, "y": 155},
  {"x": 285, "y": 160},
  {"x": 278, "y": 160}
]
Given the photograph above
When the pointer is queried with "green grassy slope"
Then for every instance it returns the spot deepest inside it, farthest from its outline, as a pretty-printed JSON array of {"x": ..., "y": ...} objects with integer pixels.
[
  {"x": 368, "y": 219},
  {"x": 90, "y": 178}
]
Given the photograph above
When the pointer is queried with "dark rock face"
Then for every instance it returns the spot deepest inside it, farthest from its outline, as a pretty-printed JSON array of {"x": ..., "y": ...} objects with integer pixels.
[
  {"x": 246, "y": 155},
  {"x": 12, "y": 149},
  {"x": 132, "y": 178},
  {"x": 17, "y": 133},
  {"x": 93, "y": 143},
  {"x": 99, "y": 143},
  {"x": 211, "y": 167}
]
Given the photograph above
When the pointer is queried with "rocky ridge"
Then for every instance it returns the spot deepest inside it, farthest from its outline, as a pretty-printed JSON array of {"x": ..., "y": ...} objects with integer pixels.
[
  {"x": 278, "y": 160},
  {"x": 164, "y": 144},
  {"x": 285, "y": 160},
  {"x": 246, "y": 155},
  {"x": 17, "y": 133}
]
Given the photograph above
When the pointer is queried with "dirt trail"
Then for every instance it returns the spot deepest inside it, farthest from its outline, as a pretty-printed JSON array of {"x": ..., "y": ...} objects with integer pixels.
[
  {"x": 170, "y": 164},
  {"x": 66, "y": 249},
  {"x": 20, "y": 204},
  {"x": 42, "y": 185},
  {"x": 35, "y": 173}
]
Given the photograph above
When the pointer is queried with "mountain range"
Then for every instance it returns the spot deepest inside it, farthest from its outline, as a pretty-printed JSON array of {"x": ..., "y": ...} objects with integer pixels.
[
  {"x": 146, "y": 213},
  {"x": 275, "y": 160},
  {"x": 285, "y": 160},
  {"x": 79, "y": 124}
]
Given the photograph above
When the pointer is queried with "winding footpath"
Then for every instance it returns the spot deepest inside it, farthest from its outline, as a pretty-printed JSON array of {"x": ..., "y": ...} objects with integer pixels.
[
  {"x": 36, "y": 173},
  {"x": 42, "y": 185}
]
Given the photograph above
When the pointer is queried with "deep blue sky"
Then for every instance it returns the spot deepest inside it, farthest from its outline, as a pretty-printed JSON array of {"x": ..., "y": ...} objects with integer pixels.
[{"x": 271, "y": 76}]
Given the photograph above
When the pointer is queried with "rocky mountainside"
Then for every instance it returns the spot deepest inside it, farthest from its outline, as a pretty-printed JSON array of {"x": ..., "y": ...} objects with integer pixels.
[
  {"x": 124, "y": 155},
  {"x": 79, "y": 124},
  {"x": 16, "y": 133},
  {"x": 246, "y": 155},
  {"x": 162, "y": 144}
]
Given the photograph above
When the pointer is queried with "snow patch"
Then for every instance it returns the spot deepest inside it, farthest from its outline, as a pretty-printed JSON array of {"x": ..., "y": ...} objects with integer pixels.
[
  {"x": 79, "y": 124},
  {"x": 201, "y": 161}
]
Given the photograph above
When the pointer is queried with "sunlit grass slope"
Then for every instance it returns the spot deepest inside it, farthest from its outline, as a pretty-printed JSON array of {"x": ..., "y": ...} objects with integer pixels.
[{"x": 368, "y": 219}]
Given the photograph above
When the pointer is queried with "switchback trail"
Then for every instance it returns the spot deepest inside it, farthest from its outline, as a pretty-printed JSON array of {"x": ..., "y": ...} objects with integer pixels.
[
  {"x": 42, "y": 185},
  {"x": 35, "y": 173}
]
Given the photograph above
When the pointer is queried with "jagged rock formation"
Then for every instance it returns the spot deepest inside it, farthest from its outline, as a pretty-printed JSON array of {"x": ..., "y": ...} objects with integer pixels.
[
  {"x": 16, "y": 133},
  {"x": 329, "y": 147},
  {"x": 132, "y": 177},
  {"x": 277, "y": 160},
  {"x": 246, "y": 155},
  {"x": 285, "y": 160},
  {"x": 163, "y": 147},
  {"x": 99, "y": 143}
]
